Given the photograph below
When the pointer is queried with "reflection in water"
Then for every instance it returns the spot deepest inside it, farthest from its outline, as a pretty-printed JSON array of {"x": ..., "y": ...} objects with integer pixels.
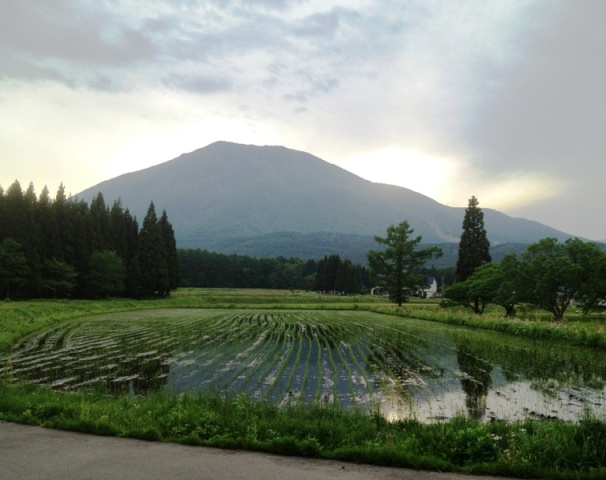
[
  {"x": 475, "y": 380},
  {"x": 404, "y": 368}
]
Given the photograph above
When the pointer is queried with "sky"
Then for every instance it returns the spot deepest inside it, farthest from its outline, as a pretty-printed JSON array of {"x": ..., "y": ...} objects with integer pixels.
[{"x": 501, "y": 99}]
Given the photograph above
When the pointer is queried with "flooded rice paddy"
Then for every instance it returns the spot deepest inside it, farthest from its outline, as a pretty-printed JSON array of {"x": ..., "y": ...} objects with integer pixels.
[{"x": 404, "y": 367}]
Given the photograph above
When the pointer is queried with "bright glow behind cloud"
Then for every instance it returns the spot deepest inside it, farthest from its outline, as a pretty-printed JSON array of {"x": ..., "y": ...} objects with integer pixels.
[
  {"x": 417, "y": 171},
  {"x": 411, "y": 94}
]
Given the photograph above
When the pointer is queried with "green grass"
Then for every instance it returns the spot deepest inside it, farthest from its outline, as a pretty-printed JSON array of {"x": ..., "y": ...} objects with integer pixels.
[
  {"x": 583, "y": 331},
  {"x": 525, "y": 449}
]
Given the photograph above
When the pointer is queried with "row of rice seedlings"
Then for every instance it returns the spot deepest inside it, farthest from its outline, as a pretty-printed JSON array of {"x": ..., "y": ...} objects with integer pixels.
[
  {"x": 357, "y": 375},
  {"x": 277, "y": 375},
  {"x": 307, "y": 337},
  {"x": 248, "y": 376},
  {"x": 344, "y": 375},
  {"x": 365, "y": 393},
  {"x": 261, "y": 378},
  {"x": 304, "y": 382},
  {"x": 329, "y": 371},
  {"x": 290, "y": 393},
  {"x": 239, "y": 376}
]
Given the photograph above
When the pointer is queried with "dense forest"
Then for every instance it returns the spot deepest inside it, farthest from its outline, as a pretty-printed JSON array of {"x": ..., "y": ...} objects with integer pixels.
[
  {"x": 201, "y": 268},
  {"x": 63, "y": 248},
  {"x": 60, "y": 247}
]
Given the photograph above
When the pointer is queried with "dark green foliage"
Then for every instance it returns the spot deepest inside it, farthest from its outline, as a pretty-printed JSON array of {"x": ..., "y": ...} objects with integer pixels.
[
  {"x": 169, "y": 246},
  {"x": 549, "y": 275},
  {"x": 553, "y": 274},
  {"x": 494, "y": 283},
  {"x": 201, "y": 268},
  {"x": 336, "y": 275},
  {"x": 71, "y": 249},
  {"x": 474, "y": 247},
  {"x": 13, "y": 267},
  {"x": 397, "y": 267},
  {"x": 58, "y": 278},
  {"x": 106, "y": 274}
]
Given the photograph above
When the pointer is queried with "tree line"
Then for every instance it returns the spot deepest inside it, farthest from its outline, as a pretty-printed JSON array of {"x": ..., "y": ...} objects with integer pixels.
[
  {"x": 549, "y": 274},
  {"x": 65, "y": 248},
  {"x": 203, "y": 269},
  {"x": 62, "y": 247}
]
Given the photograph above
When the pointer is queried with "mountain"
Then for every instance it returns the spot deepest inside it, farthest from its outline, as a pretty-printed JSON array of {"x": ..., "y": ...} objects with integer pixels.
[{"x": 273, "y": 200}]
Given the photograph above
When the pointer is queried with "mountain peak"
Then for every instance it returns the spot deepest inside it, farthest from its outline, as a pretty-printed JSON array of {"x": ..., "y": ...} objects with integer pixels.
[{"x": 227, "y": 191}]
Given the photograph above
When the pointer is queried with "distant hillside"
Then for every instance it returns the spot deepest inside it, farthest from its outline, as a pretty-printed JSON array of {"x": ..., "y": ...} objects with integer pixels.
[{"x": 239, "y": 198}]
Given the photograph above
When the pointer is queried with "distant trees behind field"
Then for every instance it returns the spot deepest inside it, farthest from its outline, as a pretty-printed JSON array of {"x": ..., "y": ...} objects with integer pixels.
[{"x": 204, "y": 269}]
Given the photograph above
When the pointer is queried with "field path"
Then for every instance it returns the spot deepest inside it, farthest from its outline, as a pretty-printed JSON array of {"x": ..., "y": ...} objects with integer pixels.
[{"x": 33, "y": 453}]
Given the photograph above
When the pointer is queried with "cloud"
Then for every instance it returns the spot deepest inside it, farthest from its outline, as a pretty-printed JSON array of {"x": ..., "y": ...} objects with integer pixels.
[
  {"x": 318, "y": 25},
  {"x": 496, "y": 94},
  {"x": 199, "y": 84},
  {"x": 53, "y": 29},
  {"x": 58, "y": 41},
  {"x": 551, "y": 103}
]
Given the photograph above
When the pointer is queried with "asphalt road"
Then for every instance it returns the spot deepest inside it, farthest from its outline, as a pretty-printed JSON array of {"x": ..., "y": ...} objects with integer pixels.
[{"x": 28, "y": 452}]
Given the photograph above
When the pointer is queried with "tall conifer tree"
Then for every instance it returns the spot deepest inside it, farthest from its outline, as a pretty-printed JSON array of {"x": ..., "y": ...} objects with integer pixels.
[
  {"x": 169, "y": 245},
  {"x": 474, "y": 247},
  {"x": 154, "y": 272}
]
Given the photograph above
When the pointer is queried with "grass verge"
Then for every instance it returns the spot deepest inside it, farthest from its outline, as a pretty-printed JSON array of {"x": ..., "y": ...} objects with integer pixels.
[{"x": 527, "y": 449}]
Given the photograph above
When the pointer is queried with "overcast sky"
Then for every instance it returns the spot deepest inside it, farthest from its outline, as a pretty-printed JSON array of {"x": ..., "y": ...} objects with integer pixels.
[{"x": 504, "y": 100}]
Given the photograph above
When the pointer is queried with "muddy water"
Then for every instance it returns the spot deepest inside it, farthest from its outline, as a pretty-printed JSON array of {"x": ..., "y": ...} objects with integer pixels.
[{"x": 404, "y": 367}]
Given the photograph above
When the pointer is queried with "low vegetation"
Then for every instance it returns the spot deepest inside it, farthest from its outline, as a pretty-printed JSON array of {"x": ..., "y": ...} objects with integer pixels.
[{"x": 526, "y": 449}]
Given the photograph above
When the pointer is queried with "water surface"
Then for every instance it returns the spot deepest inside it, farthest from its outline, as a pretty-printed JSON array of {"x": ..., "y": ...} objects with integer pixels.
[{"x": 404, "y": 367}]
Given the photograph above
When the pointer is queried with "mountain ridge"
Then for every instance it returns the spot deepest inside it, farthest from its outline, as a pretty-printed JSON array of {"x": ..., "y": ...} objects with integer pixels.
[{"x": 226, "y": 192}]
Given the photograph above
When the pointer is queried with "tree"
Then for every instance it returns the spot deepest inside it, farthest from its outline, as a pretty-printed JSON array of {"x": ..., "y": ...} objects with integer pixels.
[
  {"x": 154, "y": 270},
  {"x": 328, "y": 269},
  {"x": 169, "y": 245},
  {"x": 59, "y": 277},
  {"x": 490, "y": 283},
  {"x": 396, "y": 267},
  {"x": 554, "y": 274},
  {"x": 106, "y": 274},
  {"x": 474, "y": 247},
  {"x": 157, "y": 255},
  {"x": 13, "y": 266}
]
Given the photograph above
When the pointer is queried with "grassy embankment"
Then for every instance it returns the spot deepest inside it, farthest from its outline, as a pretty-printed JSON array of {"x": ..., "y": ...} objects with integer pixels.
[{"x": 552, "y": 449}]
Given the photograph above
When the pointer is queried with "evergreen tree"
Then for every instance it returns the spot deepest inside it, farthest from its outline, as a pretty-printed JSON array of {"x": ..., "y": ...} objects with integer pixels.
[
  {"x": 328, "y": 269},
  {"x": 99, "y": 224},
  {"x": 157, "y": 255},
  {"x": 64, "y": 227},
  {"x": 169, "y": 245},
  {"x": 49, "y": 232},
  {"x": 396, "y": 268},
  {"x": 154, "y": 272},
  {"x": 13, "y": 267},
  {"x": 474, "y": 247}
]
